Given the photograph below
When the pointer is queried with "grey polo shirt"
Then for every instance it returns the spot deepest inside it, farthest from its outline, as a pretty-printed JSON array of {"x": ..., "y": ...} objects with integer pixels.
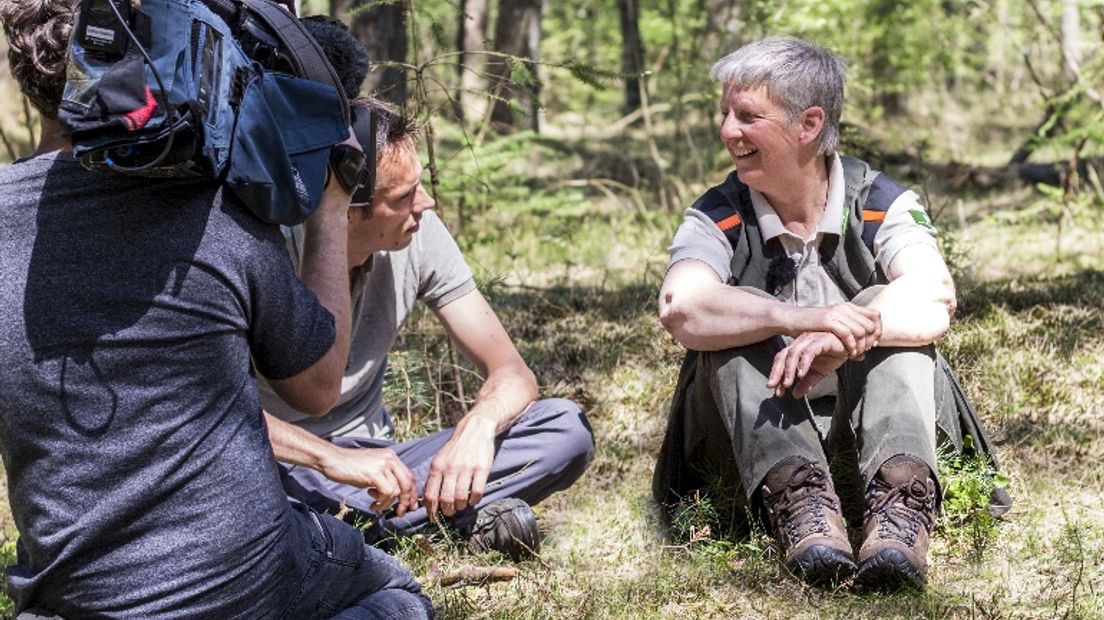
[
  {"x": 384, "y": 291},
  {"x": 906, "y": 223}
]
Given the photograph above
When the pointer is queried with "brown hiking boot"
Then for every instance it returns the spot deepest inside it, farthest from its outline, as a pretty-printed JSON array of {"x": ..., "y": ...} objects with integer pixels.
[
  {"x": 900, "y": 514},
  {"x": 805, "y": 516}
]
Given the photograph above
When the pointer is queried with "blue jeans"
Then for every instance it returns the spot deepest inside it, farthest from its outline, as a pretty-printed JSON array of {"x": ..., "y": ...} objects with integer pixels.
[
  {"x": 347, "y": 579},
  {"x": 325, "y": 571}
]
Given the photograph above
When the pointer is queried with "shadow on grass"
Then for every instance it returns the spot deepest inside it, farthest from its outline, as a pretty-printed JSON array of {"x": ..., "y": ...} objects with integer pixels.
[
  {"x": 1083, "y": 289},
  {"x": 573, "y": 335}
]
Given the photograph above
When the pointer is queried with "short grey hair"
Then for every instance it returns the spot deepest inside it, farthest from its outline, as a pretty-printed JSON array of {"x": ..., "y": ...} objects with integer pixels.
[{"x": 797, "y": 75}]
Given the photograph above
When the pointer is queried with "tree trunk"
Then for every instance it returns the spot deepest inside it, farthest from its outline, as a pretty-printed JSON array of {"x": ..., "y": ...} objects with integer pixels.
[
  {"x": 471, "y": 41},
  {"x": 725, "y": 28},
  {"x": 517, "y": 33},
  {"x": 382, "y": 29},
  {"x": 887, "y": 84},
  {"x": 340, "y": 8},
  {"x": 1071, "y": 36},
  {"x": 632, "y": 52}
]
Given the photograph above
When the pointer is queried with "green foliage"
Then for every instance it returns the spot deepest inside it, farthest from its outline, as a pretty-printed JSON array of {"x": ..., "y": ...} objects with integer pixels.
[
  {"x": 521, "y": 74},
  {"x": 1078, "y": 550},
  {"x": 968, "y": 479},
  {"x": 695, "y": 519},
  {"x": 590, "y": 75},
  {"x": 7, "y": 558}
]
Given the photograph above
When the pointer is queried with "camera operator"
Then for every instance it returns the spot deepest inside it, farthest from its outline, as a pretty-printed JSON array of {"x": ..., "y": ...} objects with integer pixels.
[{"x": 132, "y": 315}]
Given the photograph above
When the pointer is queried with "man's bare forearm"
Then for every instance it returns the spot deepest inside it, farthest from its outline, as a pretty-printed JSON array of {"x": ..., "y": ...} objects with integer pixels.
[
  {"x": 295, "y": 446},
  {"x": 504, "y": 396},
  {"x": 325, "y": 271}
]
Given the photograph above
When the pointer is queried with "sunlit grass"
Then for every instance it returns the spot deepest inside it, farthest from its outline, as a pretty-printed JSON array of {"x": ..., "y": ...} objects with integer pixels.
[
  {"x": 574, "y": 269},
  {"x": 1027, "y": 346}
]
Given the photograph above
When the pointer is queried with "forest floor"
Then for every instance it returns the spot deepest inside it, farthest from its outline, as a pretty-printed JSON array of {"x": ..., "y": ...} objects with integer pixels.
[
  {"x": 577, "y": 288},
  {"x": 574, "y": 270}
]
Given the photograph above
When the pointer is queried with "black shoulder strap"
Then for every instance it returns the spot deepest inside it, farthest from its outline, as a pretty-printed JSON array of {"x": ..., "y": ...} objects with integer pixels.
[
  {"x": 715, "y": 204},
  {"x": 728, "y": 205},
  {"x": 867, "y": 196},
  {"x": 883, "y": 191}
]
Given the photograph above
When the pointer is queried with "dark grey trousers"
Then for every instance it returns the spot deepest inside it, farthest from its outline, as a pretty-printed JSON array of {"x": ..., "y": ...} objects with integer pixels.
[
  {"x": 545, "y": 451},
  {"x": 885, "y": 406}
]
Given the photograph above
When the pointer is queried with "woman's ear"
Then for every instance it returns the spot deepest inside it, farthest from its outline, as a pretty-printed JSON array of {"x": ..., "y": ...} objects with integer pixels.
[{"x": 812, "y": 124}]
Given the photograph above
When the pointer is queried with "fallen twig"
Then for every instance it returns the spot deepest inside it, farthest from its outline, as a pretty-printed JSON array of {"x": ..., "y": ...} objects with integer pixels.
[{"x": 474, "y": 576}]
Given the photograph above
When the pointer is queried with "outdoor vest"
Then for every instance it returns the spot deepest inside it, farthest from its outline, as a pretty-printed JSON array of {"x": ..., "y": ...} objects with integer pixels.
[
  {"x": 868, "y": 194},
  {"x": 849, "y": 259}
]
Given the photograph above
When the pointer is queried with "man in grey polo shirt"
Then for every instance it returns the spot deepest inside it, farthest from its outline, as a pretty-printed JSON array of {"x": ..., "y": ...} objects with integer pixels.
[
  {"x": 807, "y": 275},
  {"x": 508, "y": 452}
]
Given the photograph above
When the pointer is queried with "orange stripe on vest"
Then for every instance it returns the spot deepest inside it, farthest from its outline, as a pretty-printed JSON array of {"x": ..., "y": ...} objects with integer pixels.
[
  {"x": 731, "y": 221},
  {"x": 873, "y": 216}
]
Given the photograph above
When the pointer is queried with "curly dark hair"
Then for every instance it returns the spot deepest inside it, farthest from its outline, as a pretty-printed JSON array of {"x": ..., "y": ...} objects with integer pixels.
[
  {"x": 347, "y": 55},
  {"x": 38, "y": 42}
]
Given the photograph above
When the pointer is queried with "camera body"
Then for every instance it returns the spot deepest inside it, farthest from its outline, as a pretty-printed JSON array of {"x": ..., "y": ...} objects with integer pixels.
[
  {"x": 99, "y": 28},
  {"x": 235, "y": 91}
]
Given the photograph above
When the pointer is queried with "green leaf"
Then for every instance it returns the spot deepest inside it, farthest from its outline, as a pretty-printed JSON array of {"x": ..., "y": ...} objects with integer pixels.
[{"x": 521, "y": 74}]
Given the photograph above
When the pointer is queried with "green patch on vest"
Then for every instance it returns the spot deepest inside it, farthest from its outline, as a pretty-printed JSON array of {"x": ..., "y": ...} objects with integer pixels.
[{"x": 921, "y": 218}]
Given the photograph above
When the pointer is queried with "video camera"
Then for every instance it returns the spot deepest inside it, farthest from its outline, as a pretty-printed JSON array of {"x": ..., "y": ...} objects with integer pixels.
[{"x": 232, "y": 90}]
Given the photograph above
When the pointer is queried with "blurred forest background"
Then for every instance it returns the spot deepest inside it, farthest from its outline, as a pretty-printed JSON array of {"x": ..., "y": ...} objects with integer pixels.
[{"x": 564, "y": 139}]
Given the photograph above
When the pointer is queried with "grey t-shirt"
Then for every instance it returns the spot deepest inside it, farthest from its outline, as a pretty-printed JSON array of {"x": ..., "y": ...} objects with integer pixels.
[
  {"x": 139, "y": 471},
  {"x": 431, "y": 269}
]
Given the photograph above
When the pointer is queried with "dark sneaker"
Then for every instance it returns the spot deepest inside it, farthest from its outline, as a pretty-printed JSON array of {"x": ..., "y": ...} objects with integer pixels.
[
  {"x": 805, "y": 516},
  {"x": 900, "y": 515},
  {"x": 508, "y": 526}
]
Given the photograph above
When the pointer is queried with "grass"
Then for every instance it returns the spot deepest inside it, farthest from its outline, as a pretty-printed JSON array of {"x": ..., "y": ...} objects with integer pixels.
[
  {"x": 574, "y": 269},
  {"x": 1026, "y": 342}
]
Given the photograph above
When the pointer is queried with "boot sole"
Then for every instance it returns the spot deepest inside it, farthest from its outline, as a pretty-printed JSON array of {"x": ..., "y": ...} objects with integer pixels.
[
  {"x": 889, "y": 570},
  {"x": 821, "y": 565}
]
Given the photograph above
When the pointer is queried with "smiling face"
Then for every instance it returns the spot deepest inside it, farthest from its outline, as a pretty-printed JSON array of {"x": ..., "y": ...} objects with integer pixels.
[
  {"x": 396, "y": 209},
  {"x": 764, "y": 142}
]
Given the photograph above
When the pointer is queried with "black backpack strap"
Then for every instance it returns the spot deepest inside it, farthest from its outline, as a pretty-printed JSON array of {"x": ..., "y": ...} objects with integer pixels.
[
  {"x": 883, "y": 192},
  {"x": 724, "y": 214},
  {"x": 728, "y": 205},
  {"x": 304, "y": 53},
  {"x": 868, "y": 195}
]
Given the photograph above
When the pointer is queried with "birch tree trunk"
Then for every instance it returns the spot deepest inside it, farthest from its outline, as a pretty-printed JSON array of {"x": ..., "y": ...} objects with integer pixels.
[{"x": 471, "y": 39}]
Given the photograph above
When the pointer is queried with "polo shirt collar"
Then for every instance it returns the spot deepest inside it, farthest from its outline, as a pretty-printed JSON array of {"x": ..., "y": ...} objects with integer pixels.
[{"x": 831, "y": 222}]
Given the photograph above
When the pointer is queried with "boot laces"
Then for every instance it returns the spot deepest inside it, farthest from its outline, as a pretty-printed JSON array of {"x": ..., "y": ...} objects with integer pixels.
[
  {"x": 798, "y": 507},
  {"x": 903, "y": 509}
]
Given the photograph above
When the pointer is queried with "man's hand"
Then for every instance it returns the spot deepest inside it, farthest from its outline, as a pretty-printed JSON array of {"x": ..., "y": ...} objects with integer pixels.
[
  {"x": 458, "y": 474},
  {"x": 377, "y": 470},
  {"x": 856, "y": 327},
  {"x": 811, "y": 357}
]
